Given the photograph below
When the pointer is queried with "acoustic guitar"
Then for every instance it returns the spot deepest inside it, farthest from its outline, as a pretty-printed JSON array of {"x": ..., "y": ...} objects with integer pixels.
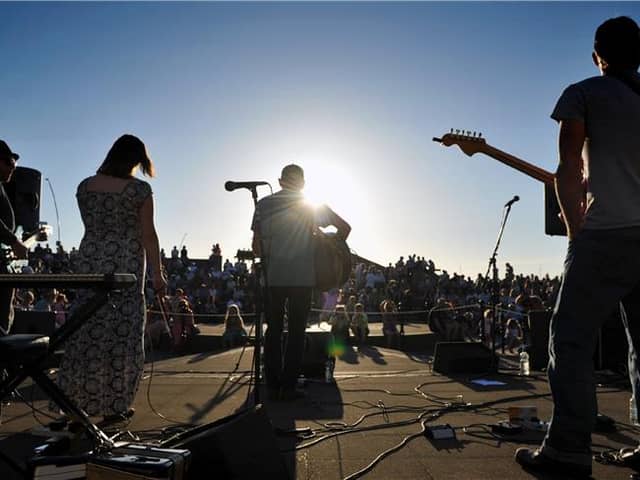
[{"x": 471, "y": 143}]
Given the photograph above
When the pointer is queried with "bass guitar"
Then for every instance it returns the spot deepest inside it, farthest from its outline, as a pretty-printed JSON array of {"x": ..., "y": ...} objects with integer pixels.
[{"x": 471, "y": 143}]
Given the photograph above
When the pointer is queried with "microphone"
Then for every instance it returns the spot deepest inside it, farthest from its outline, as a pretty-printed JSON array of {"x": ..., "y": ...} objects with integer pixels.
[
  {"x": 231, "y": 186},
  {"x": 512, "y": 201}
]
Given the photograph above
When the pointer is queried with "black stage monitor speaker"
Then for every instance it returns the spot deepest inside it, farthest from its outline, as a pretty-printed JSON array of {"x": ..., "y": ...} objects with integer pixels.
[
  {"x": 316, "y": 352},
  {"x": 240, "y": 446},
  {"x": 42, "y": 323},
  {"x": 24, "y": 191},
  {"x": 539, "y": 338},
  {"x": 461, "y": 357}
]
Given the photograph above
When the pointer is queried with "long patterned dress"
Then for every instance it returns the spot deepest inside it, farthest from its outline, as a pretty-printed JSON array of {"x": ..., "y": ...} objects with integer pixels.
[{"x": 104, "y": 360}]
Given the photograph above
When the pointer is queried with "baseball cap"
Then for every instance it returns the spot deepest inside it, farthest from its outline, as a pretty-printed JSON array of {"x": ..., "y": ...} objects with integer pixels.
[{"x": 5, "y": 151}]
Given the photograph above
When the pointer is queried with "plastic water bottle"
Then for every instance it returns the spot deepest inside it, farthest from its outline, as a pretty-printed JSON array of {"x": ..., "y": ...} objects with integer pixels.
[
  {"x": 633, "y": 412},
  {"x": 525, "y": 370}
]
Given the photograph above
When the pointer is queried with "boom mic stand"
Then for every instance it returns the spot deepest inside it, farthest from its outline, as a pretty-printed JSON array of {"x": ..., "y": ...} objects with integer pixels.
[
  {"x": 260, "y": 272},
  {"x": 495, "y": 284}
]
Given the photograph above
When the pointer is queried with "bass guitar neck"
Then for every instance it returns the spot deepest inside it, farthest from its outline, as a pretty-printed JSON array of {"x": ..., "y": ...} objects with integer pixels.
[{"x": 474, "y": 143}]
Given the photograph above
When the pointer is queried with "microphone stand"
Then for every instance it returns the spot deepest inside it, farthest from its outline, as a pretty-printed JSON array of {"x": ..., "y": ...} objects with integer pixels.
[
  {"x": 495, "y": 286},
  {"x": 260, "y": 295},
  {"x": 260, "y": 301}
]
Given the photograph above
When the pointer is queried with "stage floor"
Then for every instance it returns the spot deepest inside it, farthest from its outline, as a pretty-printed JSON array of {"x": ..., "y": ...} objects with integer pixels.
[{"x": 371, "y": 381}]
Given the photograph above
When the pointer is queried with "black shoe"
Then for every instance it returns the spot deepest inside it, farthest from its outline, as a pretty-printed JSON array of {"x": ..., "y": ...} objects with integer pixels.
[
  {"x": 536, "y": 460},
  {"x": 118, "y": 417},
  {"x": 604, "y": 424}
]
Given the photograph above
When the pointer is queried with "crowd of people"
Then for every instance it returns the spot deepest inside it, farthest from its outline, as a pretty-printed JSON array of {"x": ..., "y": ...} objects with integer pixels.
[{"x": 413, "y": 289}]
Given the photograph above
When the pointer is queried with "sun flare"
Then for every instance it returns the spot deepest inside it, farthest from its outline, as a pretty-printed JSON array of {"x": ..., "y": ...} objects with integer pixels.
[{"x": 334, "y": 185}]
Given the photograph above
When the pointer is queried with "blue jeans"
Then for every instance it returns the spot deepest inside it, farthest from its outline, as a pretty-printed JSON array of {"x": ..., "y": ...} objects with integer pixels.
[{"x": 601, "y": 271}]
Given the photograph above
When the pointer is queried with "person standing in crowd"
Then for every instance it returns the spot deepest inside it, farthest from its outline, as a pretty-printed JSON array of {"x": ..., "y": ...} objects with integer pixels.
[
  {"x": 390, "y": 323},
  {"x": 103, "y": 361},
  {"x": 8, "y": 161},
  {"x": 283, "y": 226},
  {"x": 598, "y": 116}
]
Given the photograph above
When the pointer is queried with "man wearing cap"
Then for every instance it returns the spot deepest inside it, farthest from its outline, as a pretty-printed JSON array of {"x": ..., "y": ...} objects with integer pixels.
[
  {"x": 283, "y": 226},
  {"x": 599, "y": 116},
  {"x": 7, "y": 237}
]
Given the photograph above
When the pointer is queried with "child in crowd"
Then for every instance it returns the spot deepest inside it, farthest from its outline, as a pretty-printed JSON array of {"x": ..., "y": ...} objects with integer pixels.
[
  {"x": 183, "y": 327},
  {"x": 340, "y": 322},
  {"x": 390, "y": 322},
  {"x": 360, "y": 324},
  {"x": 234, "y": 330},
  {"x": 60, "y": 309},
  {"x": 512, "y": 334}
]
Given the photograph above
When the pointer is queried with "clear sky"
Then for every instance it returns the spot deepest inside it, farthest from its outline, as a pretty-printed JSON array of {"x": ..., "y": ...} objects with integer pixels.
[{"x": 353, "y": 92}]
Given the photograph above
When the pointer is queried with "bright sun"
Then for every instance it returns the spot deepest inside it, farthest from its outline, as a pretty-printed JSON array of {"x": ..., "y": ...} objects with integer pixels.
[{"x": 334, "y": 185}]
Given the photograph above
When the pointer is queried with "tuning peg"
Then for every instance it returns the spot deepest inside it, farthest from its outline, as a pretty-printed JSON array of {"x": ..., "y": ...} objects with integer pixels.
[
  {"x": 479, "y": 134},
  {"x": 457, "y": 132},
  {"x": 451, "y": 131},
  {"x": 474, "y": 134}
]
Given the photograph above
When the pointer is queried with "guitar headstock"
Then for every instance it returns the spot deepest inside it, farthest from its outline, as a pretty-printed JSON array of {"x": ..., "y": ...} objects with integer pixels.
[{"x": 469, "y": 142}]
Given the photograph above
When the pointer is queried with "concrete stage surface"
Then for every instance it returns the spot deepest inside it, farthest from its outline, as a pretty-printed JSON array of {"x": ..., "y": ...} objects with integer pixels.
[{"x": 375, "y": 381}]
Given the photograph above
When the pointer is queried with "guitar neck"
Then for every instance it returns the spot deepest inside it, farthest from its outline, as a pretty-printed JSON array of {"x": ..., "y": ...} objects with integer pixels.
[{"x": 525, "y": 167}]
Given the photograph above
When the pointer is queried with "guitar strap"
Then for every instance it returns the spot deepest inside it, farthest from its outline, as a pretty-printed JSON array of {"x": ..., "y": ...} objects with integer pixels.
[{"x": 629, "y": 77}]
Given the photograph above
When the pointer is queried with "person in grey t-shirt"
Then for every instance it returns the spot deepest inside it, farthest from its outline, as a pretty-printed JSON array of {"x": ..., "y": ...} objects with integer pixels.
[
  {"x": 598, "y": 188},
  {"x": 283, "y": 226}
]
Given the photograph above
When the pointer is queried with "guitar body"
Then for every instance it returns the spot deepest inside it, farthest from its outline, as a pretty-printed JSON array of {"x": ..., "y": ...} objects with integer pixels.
[
  {"x": 472, "y": 144},
  {"x": 332, "y": 261}
]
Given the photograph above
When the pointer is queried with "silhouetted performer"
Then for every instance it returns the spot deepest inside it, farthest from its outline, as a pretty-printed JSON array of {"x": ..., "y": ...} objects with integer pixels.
[
  {"x": 8, "y": 161},
  {"x": 598, "y": 188},
  {"x": 283, "y": 227}
]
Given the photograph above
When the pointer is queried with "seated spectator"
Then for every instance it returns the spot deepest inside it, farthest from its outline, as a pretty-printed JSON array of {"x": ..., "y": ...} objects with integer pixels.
[
  {"x": 234, "y": 330},
  {"x": 157, "y": 332},
  {"x": 26, "y": 301},
  {"x": 513, "y": 335},
  {"x": 351, "y": 304},
  {"x": 183, "y": 327},
  {"x": 390, "y": 322},
  {"x": 45, "y": 303},
  {"x": 60, "y": 309},
  {"x": 339, "y": 322},
  {"x": 488, "y": 326},
  {"x": 360, "y": 324}
]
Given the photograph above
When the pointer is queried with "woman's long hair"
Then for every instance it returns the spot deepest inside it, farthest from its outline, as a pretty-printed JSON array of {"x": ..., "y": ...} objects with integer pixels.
[
  {"x": 127, "y": 153},
  {"x": 236, "y": 313}
]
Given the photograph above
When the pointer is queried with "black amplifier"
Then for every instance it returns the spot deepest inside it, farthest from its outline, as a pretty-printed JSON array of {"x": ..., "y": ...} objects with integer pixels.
[{"x": 139, "y": 461}]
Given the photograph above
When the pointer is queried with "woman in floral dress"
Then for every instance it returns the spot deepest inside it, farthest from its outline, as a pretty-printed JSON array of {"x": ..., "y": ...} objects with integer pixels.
[{"x": 104, "y": 360}]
